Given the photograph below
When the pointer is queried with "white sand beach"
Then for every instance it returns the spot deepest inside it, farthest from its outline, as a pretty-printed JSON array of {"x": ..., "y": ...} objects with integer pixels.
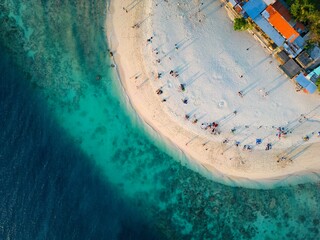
[{"x": 195, "y": 41}]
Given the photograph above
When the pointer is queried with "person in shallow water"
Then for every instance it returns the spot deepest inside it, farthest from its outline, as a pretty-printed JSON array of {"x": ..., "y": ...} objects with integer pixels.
[{"x": 110, "y": 53}]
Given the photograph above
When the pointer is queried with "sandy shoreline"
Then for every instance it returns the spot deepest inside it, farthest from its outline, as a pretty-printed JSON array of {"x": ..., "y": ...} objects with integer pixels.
[{"x": 234, "y": 166}]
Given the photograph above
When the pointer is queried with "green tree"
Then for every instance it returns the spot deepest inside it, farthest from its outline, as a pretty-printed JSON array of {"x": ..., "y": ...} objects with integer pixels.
[
  {"x": 241, "y": 24},
  {"x": 307, "y": 12},
  {"x": 318, "y": 83},
  {"x": 303, "y": 11}
]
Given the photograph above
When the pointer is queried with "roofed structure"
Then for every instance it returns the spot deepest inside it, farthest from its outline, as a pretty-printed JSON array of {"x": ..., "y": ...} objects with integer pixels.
[
  {"x": 269, "y": 30},
  {"x": 299, "y": 27},
  {"x": 282, "y": 57},
  {"x": 304, "y": 59},
  {"x": 299, "y": 42},
  {"x": 279, "y": 23},
  {"x": 305, "y": 83},
  {"x": 291, "y": 68},
  {"x": 254, "y": 8},
  {"x": 238, "y": 8},
  {"x": 314, "y": 75},
  {"x": 285, "y": 13}
]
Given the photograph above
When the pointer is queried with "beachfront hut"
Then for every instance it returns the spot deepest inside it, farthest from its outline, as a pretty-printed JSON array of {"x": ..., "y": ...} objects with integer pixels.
[
  {"x": 282, "y": 57},
  {"x": 238, "y": 9},
  {"x": 314, "y": 75},
  {"x": 291, "y": 68},
  {"x": 305, "y": 83},
  {"x": 269, "y": 30},
  {"x": 285, "y": 13},
  {"x": 299, "y": 41},
  {"x": 315, "y": 55},
  {"x": 279, "y": 23},
  {"x": 283, "y": 10},
  {"x": 254, "y": 7},
  {"x": 304, "y": 59},
  {"x": 294, "y": 42},
  {"x": 310, "y": 59}
]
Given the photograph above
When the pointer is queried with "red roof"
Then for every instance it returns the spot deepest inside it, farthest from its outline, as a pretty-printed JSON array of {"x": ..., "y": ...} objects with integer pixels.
[
  {"x": 279, "y": 23},
  {"x": 282, "y": 10},
  {"x": 238, "y": 8},
  {"x": 299, "y": 26},
  {"x": 285, "y": 13}
]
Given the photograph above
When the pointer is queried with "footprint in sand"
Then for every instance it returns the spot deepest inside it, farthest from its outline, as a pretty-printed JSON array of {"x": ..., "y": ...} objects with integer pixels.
[
  {"x": 222, "y": 104},
  {"x": 275, "y": 104},
  {"x": 197, "y": 102},
  {"x": 257, "y": 113}
]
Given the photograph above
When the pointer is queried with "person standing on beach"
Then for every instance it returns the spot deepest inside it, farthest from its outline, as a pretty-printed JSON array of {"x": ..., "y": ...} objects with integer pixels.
[{"x": 159, "y": 91}]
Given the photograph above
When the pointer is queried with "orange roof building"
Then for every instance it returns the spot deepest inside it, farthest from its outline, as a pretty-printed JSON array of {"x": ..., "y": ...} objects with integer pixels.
[{"x": 279, "y": 23}]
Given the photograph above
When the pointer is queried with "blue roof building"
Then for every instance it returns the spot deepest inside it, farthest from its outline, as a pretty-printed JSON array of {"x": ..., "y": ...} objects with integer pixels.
[
  {"x": 254, "y": 7},
  {"x": 314, "y": 75},
  {"x": 305, "y": 83}
]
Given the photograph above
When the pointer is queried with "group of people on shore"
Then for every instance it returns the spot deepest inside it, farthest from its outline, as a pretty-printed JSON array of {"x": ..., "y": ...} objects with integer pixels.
[{"x": 213, "y": 127}]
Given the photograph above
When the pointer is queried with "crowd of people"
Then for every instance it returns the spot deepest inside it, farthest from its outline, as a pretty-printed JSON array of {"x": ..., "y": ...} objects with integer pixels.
[{"x": 213, "y": 127}]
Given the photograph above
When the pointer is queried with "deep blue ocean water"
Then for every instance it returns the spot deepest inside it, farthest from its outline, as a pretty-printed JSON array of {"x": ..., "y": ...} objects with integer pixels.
[
  {"x": 76, "y": 163},
  {"x": 49, "y": 189}
]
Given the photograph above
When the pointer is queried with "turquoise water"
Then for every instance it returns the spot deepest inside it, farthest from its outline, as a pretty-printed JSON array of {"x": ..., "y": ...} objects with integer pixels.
[{"x": 62, "y": 47}]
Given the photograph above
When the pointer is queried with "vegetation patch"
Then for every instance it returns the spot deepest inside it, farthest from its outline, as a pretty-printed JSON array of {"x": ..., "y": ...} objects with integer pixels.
[
  {"x": 307, "y": 12},
  {"x": 241, "y": 24},
  {"x": 318, "y": 83}
]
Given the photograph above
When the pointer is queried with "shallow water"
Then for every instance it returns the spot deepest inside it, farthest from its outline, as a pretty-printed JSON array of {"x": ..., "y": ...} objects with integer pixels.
[{"x": 77, "y": 164}]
